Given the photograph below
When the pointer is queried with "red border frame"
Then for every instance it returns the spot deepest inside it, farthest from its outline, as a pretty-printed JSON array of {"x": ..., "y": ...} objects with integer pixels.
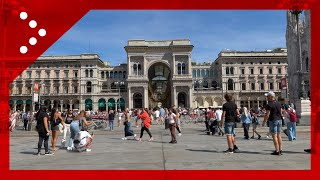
[{"x": 51, "y": 15}]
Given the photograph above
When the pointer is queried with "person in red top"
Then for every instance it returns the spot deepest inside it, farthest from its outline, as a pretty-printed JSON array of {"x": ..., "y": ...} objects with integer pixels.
[{"x": 145, "y": 118}]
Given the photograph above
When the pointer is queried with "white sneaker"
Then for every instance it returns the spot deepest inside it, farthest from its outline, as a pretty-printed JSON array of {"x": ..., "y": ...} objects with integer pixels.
[
  {"x": 88, "y": 150},
  {"x": 179, "y": 134},
  {"x": 134, "y": 135},
  {"x": 124, "y": 138}
]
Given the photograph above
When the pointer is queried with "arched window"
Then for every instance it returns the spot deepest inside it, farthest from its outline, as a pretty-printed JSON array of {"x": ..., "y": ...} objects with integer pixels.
[
  {"x": 139, "y": 69},
  {"x": 89, "y": 87},
  {"x": 107, "y": 74},
  {"x": 91, "y": 73},
  {"x": 307, "y": 64},
  {"x": 231, "y": 70},
  {"x": 194, "y": 73},
  {"x": 207, "y": 74},
  {"x": 211, "y": 73},
  {"x": 87, "y": 73},
  {"x": 227, "y": 70},
  {"x": 120, "y": 75},
  {"x": 124, "y": 74},
  {"x": 183, "y": 68},
  {"x": 230, "y": 84},
  {"x": 214, "y": 84},
  {"x": 135, "y": 69},
  {"x": 203, "y": 73},
  {"x": 205, "y": 85},
  {"x": 198, "y": 73},
  {"x": 115, "y": 74},
  {"x": 179, "y": 68},
  {"x": 102, "y": 74},
  {"x": 111, "y": 74}
]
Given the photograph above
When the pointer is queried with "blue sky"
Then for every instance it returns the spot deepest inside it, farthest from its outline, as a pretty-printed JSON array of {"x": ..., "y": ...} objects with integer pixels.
[{"x": 107, "y": 32}]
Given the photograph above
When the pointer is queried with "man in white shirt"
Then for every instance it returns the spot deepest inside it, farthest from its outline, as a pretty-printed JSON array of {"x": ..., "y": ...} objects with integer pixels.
[
  {"x": 218, "y": 116},
  {"x": 83, "y": 141},
  {"x": 157, "y": 114}
]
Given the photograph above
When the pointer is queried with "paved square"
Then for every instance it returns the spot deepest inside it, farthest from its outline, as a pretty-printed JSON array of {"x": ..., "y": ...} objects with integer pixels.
[{"x": 194, "y": 150}]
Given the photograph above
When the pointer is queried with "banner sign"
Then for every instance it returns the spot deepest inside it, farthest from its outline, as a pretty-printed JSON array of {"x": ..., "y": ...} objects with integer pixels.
[
  {"x": 284, "y": 83},
  {"x": 36, "y": 86},
  {"x": 35, "y": 97}
]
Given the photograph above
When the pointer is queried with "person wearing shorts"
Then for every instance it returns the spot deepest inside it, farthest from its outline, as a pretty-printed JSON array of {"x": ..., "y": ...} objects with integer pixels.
[
  {"x": 274, "y": 117},
  {"x": 229, "y": 115}
]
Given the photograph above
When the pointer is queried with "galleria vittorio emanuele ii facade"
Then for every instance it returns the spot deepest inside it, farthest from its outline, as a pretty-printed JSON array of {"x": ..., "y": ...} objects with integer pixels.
[{"x": 157, "y": 73}]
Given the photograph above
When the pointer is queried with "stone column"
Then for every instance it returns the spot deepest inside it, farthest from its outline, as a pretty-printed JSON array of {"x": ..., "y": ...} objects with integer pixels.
[
  {"x": 190, "y": 96},
  {"x": 14, "y": 105},
  {"x": 61, "y": 105},
  {"x": 174, "y": 64},
  {"x": 70, "y": 104},
  {"x": 258, "y": 99},
  {"x": 144, "y": 67},
  {"x": 175, "y": 96},
  {"x": 145, "y": 97},
  {"x": 249, "y": 103},
  {"x": 129, "y": 66},
  {"x": 24, "y": 106},
  {"x": 129, "y": 98},
  {"x": 52, "y": 105},
  {"x": 189, "y": 66}
]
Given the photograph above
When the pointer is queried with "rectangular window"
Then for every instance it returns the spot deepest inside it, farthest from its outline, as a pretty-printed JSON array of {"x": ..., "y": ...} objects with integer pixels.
[
  {"x": 66, "y": 89},
  {"x": 66, "y": 74},
  {"x": 243, "y": 85},
  {"x": 56, "y": 89},
  {"x": 242, "y": 71},
  {"x": 251, "y": 71},
  {"x": 29, "y": 75},
  {"x": 19, "y": 90},
  {"x": 57, "y": 74},
  {"x": 270, "y": 70},
  {"x": 271, "y": 86},
  {"x": 47, "y": 89},
  {"x": 261, "y": 86},
  {"x": 28, "y": 90},
  {"x": 261, "y": 71},
  {"x": 279, "y": 85},
  {"x": 279, "y": 70},
  {"x": 76, "y": 74},
  {"x": 253, "y": 86},
  {"x": 75, "y": 89},
  {"x": 38, "y": 74}
]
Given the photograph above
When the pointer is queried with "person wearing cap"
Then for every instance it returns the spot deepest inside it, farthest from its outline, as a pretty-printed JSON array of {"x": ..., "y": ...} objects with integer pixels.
[{"x": 274, "y": 116}]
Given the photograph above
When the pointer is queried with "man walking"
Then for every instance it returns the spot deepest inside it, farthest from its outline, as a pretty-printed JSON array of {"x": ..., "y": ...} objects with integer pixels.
[{"x": 274, "y": 116}]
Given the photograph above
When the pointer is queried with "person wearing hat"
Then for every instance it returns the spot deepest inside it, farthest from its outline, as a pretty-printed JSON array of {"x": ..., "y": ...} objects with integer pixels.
[{"x": 274, "y": 116}]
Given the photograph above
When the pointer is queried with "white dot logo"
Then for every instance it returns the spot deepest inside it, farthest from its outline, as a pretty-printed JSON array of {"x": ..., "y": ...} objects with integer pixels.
[
  {"x": 23, "y": 49},
  {"x": 33, "y": 41},
  {"x": 42, "y": 32},
  {"x": 23, "y": 15},
  {"x": 33, "y": 24}
]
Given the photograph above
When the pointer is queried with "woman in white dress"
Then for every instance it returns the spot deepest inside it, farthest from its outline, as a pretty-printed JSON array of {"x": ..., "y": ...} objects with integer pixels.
[{"x": 13, "y": 119}]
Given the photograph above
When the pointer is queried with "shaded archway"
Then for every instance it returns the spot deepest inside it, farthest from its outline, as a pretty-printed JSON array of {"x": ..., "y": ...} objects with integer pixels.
[
  {"x": 111, "y": 104},
  {"x": 137, "y": 100},
  {"x": 182, "y": 99},
  {"x": 102, "y": 106},
  {"x": 11, "y": 104},
  {"x": 88, "y": 104},
  {"x": 199, "y": 102},
  {"x": 28, "y": 105},
  {"x": 19, "y": 105},
  {"x": 159, "y": 89},
  {"x": 76, "y": 104},
  {"x": 207, "y": 102}
]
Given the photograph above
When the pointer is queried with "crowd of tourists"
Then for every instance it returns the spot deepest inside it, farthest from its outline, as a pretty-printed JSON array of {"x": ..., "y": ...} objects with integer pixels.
[{"x": 221, "y": 121}]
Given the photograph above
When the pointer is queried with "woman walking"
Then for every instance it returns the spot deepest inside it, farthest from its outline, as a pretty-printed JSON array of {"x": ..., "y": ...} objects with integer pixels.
[
  {"x": 55, "y": 120},
  {"x": 68, "y": 120},
  {"x": 13, "y": 120},
  {"x": 127, "y": 123},
  {"x": 43, "y": 130},
  {"x": 172, "y": 125},
  {"x": 120, "y": 114},
  {"x": 255, "y": 123},
  {"x": 246, "y": 121},
  {"x": 178, "y": 122},
  {"x": 78, "y": 122},
  {"x": 145, "y": 118}
]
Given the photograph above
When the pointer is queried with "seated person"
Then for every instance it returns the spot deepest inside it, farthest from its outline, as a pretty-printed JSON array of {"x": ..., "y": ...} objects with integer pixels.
[{"x": 83, "y": 141}]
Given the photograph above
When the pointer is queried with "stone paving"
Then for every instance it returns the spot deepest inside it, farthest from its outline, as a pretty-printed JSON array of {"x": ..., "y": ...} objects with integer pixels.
[{"x": 194, "y": 150}]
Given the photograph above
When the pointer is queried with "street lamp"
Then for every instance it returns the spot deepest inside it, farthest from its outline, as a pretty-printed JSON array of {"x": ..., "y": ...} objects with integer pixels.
[{"x": 119, "y": 84}]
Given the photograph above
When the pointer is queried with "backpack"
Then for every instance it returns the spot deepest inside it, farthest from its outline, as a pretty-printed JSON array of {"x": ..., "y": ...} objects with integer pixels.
[{"x": 293, "y": 115}]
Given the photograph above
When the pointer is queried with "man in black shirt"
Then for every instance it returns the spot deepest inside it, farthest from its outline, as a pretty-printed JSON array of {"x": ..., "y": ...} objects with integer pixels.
[
  {"x": 43, "y": 130},
  {"x": 229, "y": 115},
  {"x": 274, "y": 116}
]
